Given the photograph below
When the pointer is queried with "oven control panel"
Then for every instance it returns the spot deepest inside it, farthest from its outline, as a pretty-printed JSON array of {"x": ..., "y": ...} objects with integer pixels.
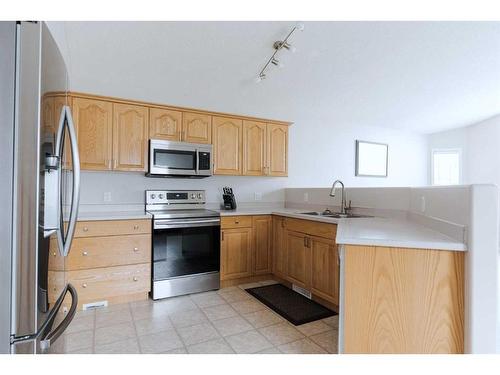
[{"x": 175, "y": 196}]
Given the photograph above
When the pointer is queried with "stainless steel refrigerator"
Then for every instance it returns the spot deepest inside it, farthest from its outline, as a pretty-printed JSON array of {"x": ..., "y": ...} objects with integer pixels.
[{"x": 39, "y": 191}]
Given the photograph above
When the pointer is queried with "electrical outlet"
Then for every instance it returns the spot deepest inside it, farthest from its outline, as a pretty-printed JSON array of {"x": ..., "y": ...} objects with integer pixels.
[
  {"x": 257, "y": 196},
  {"x": 107, "y": 196},
  {"x": 306, "y": 197}
]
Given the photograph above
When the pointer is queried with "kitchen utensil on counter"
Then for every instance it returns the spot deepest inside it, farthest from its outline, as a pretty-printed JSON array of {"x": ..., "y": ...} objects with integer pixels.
[{"x": 229, "y": 199}]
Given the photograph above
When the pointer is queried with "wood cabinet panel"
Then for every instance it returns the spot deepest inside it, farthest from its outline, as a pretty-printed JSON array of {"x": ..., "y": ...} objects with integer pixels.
[
  {"x": 403, "y": 300},
  {"x": 236, "y": 253},
  {"x": 254, "y": 148},
  {"x": 196, "y": 127},
  {"x": 93, "y": 122},
  {"x": 48, "y": 117},
  {"x": 277, "y": 149},
  {"x": 279, "y": 247},
  {"x": 130, "y": 137},
  {"x": 106, "y": 283},
  {"x": 165, "y": 124},
  {"x": 325, "y": 265},
  {"x": 228, "y": 222},
  {"x": 298, "y": 259},
  {"x": 227, "y": 144},
  {"x": 262, "y": 230},
  {"x": 313, "y": 228},
  {"x": 98, "y": 252},
  {"x": 112, "y": 227}
]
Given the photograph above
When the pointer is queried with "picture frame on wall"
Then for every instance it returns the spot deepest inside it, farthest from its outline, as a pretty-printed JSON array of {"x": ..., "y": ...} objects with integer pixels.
[{"x": 372, "y": 159}]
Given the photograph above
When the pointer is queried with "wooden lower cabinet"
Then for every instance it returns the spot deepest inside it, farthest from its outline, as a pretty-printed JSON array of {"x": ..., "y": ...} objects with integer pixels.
[
  {"x": 236, "y": 253},
  {"x": 278, "y": 247},
  {"x": 109, "y": 261},
  {"x": 325, "y": 266},
  {"x": 298, "y": 259},
  {"x": 246, "y": 246},
  {"x": 262, "y": 230},
  {"x": 403, "y": 300}
]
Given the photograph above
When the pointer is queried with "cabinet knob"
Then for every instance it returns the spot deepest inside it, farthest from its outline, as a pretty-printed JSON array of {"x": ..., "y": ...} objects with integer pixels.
[
  {"x": 85, "y": 253},
  {"x": 85, "y": 229},
  {"x": 136, "y": 227},
  {"x": 54, "y": 253},
  {"x": 135, "y": 278},
  {"x": 84, "y": 285},
  {"x": 136, "y": 249},
  {"x": 236, "y": 222}
]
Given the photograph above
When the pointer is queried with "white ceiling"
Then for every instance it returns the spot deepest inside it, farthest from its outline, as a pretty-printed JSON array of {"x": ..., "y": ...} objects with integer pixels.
[{"x": 418, "y": 76}]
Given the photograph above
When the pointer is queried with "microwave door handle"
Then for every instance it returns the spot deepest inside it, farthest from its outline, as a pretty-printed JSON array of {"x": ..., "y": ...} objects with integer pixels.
[
  {"x": 65, "y": 239},
  {"x": 197, "y": 161}
]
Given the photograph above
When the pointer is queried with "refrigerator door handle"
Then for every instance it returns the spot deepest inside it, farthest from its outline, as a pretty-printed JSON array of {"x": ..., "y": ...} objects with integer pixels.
[
  {"x": 52, "y": 335},
  {"x": 65, "y": 240}
]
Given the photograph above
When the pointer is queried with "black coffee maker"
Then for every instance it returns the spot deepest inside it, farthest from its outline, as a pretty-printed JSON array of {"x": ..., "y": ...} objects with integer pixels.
[{"x": 229, "y": 199}]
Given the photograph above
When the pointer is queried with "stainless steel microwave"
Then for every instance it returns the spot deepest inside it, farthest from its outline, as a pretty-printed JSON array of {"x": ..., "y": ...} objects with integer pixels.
[{"x": 179, "y": 159}]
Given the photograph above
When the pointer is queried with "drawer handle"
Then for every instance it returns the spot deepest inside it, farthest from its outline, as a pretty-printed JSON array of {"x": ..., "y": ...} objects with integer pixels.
[
  {"x": 85, "y": 253},
  {"x": 136, "y": 249},
  {"x": 136, "y": 278},
  {"x": 136, "y": 227},
  {"x": 85, "y": 229},
  {"x": 84, "y": 285}
]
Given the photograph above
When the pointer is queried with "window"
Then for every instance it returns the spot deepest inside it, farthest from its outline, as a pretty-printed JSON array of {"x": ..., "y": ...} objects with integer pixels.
[{"x": 446, "y": 167}]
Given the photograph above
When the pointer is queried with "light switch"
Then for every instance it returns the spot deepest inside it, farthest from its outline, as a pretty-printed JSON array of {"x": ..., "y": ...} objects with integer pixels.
[
  {"x": 107, "y": 196},
  {"x": 258, "y": 196}
]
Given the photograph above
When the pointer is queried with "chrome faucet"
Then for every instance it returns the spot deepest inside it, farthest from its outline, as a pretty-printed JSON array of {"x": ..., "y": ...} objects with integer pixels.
[{"x": 342, "y": 198}]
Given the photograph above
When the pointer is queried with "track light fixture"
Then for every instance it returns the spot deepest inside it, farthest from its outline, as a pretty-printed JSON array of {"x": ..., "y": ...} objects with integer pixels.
[{"x": 278, "y": 46}]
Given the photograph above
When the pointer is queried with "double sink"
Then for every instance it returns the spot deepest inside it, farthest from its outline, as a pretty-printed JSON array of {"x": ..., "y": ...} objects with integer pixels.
[{"x": 335, "y": 215}]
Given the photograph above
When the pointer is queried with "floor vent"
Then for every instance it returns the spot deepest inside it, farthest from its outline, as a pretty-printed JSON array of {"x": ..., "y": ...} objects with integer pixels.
[
  {"x": 302, "y": 291},
  {"x": 95, "y": 305}
]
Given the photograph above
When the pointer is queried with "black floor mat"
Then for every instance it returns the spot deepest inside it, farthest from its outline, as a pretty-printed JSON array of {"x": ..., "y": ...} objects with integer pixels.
[{"x": 291, "y": 305}]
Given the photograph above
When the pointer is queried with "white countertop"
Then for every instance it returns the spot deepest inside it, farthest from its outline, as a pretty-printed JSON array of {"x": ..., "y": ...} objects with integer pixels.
[
  {"x": 379, "y": 231},
  {"x": 113, "y": 215},
  {"x": 372, "y": 231}
]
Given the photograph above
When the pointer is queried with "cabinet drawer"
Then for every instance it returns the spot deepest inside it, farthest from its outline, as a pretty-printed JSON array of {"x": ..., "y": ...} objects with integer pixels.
[
  {"x": 112, "y": 227},
  {"x": 313, "y": 228},
  {"x": 95, "y": 252},
  {"x": 229, "y": 222},
  {"x": 103, "y": 283}
]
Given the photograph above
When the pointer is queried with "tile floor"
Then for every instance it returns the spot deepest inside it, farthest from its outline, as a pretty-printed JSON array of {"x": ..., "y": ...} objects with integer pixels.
[{"x": 225, "y": 321}]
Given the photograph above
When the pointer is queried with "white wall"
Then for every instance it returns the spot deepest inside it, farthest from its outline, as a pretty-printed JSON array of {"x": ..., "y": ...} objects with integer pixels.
[{"x": 480, "y": 145}]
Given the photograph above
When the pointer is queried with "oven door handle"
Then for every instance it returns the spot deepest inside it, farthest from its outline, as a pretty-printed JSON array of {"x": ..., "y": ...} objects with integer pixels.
[{"x": 189, "y": 223}]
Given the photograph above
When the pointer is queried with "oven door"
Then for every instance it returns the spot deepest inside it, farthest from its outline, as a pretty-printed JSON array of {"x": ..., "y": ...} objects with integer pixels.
[
  {"x": 172, "y": 158},
  {"x": 185, "y": 247}
]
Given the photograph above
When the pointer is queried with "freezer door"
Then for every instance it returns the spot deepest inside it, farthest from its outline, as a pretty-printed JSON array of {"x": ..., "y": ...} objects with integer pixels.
[{"x": 7, "y": 80}]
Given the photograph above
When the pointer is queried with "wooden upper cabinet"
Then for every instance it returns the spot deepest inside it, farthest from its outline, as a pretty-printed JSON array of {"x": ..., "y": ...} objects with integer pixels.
[
  {"x": 262, "y": 229},
  {"x": 254, "y": 148},
  {"x": 236, "y": 253},
  {"x": 277, "y": 149},
  {"x": 130, "y": 137},
  {"x": 227, "y": 142},
  {"x": 325, "y": 265},
  {"x": 196, "y": 127},
  {"x": 94, "y": 126},
  {"x": 165, "y": 124}
]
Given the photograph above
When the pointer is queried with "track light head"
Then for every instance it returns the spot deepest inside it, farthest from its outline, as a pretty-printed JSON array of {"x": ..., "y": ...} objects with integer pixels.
[{"x": 277, "y": 63}]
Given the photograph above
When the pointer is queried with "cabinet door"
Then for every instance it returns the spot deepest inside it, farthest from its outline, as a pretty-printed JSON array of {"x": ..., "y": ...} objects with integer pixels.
[
  {"x": 165, "y": 124},
  {"x": 93, "y": 122},
  {"x": 298, "y": 259},
  {"x": 279, "y": 247},
  {"x": 236, "y": 253},
  {"x": 254, "y": 148},
  {"x": 277, "y": 150},
  {"x": 130, "y": 137},
  {"x": 324, "y": 266},
  {"x": 196, "y": 127},
  {"x": 227, "y": 139},
  {"x": 262, "y": 228}
]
